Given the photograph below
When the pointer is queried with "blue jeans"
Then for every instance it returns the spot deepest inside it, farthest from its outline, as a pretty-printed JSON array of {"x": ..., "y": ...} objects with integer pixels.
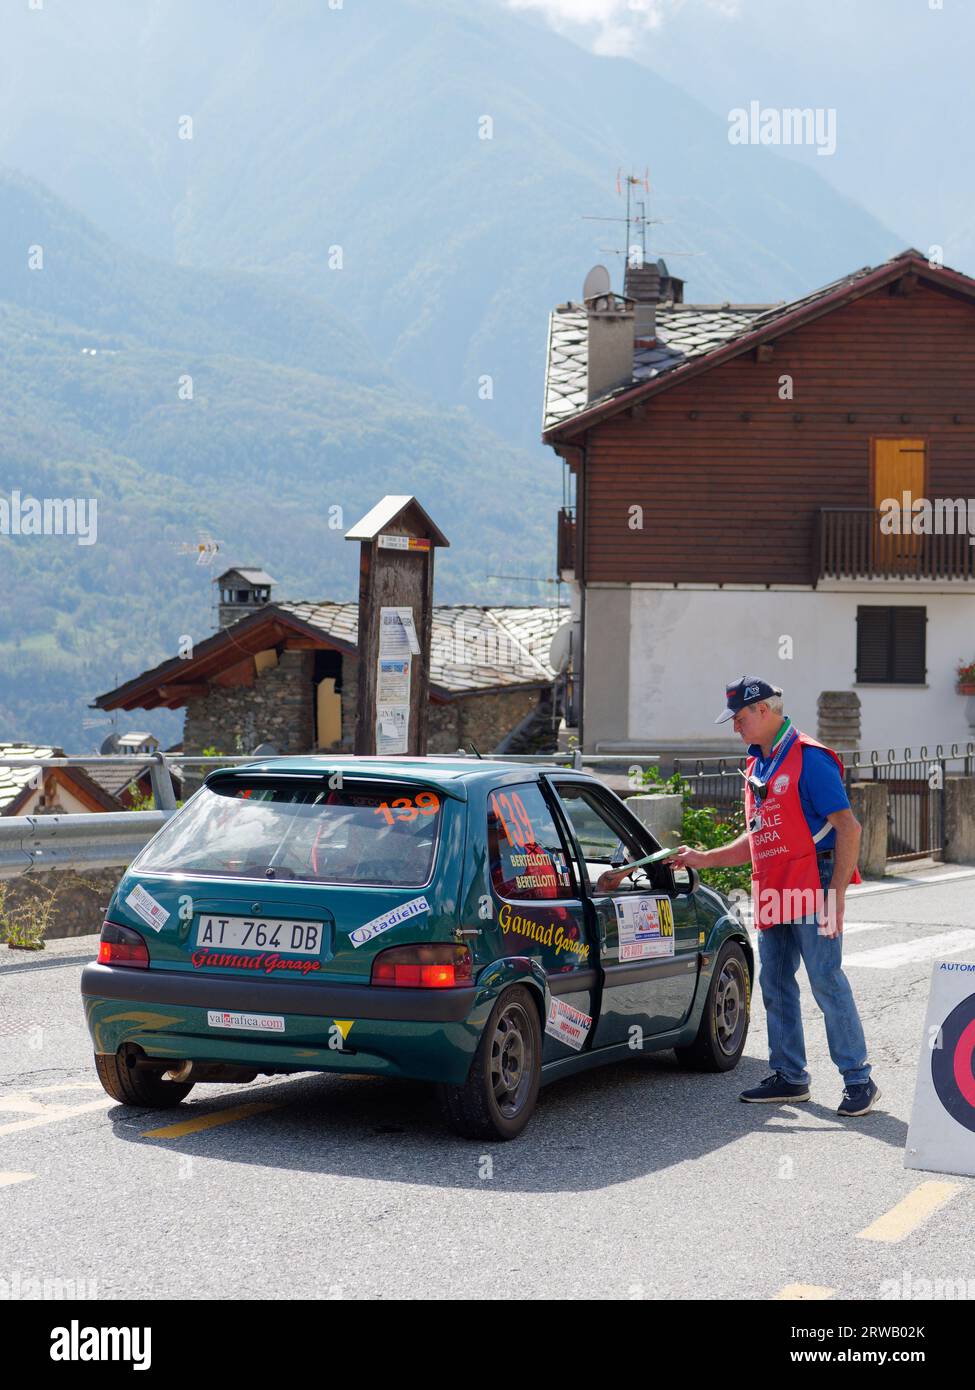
[{"x": 779, "y": 950}]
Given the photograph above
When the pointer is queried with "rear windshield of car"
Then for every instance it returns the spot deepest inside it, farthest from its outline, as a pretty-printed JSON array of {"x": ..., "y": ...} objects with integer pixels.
[{"x": 285, "y": 829}]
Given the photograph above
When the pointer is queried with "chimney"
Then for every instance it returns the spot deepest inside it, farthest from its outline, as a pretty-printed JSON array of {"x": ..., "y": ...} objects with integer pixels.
[
  {"x": 610, "y": 332},
  {"x": 242, "y": 592},
  {"x": 642, "y": 284},
  {"x": 650, "y": 284}
]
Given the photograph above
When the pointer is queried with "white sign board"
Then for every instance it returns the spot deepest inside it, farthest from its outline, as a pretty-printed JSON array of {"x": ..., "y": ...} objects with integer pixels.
[{"x": 941, "y": 1138}]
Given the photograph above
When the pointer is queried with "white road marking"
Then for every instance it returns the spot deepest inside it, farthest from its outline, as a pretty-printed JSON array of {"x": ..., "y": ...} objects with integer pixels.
[
  {"x": 38, "y": 1113},
  {"x": 57, "y": 1113},
  {"x": 894, "y": 884},
  {"x": 906, "y": 952},
  {"x": 8, "y": 1179}
]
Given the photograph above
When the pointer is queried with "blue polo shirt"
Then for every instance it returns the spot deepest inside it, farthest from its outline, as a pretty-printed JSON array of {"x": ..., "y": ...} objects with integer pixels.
[{"x": 821, "y": 789}]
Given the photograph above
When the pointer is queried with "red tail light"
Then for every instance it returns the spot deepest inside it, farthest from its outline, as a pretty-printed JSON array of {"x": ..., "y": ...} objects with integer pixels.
[
  {"x": 438, "y": 965},
  {"x": 122, "y": 946}
]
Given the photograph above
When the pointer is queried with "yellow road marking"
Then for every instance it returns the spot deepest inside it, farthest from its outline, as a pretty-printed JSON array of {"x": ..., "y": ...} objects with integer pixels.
[
  {"x": 800, "y": 1291},
  {"x": 8, "y": 1179},
  {"x": 912, "y": 1212},
  {"x": 215, "y": 1117},
  {"x": 53, "y": 1113}
]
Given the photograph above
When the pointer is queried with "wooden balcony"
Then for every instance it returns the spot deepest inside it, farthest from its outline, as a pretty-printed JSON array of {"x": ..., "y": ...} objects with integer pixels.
[
  {"x": 566, "y": 545},
  {"x": 848, "y": 544}
]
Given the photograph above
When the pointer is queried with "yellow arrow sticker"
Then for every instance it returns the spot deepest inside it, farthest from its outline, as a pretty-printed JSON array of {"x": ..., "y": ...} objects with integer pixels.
[{"x": 343, "y": 1025}]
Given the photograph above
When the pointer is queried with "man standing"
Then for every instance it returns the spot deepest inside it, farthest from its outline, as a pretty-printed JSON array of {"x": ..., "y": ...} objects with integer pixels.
[{"x": 802, "y": 839}]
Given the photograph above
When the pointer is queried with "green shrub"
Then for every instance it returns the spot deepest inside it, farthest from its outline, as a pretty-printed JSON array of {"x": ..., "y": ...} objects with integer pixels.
[{"x": 703, "y": 828}]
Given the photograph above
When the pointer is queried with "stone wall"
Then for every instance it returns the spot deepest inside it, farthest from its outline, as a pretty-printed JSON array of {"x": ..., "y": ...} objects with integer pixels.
[
  {"x": 278, "y": 708},
  {"x": 481, "y": 719},
  {"x": 71, "y": 902}
]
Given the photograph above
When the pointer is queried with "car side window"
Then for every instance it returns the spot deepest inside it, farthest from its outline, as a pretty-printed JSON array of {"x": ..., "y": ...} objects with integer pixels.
[
  {"x": 527, "y": 856},
  {"x": 604, "y": 842}
]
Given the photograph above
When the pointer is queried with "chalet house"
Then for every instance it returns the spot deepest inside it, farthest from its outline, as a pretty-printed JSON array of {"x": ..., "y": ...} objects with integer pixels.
[
  {"x": 39, "y": 790},
  {"x": 728, "y": 467},
  {"x": 131, "y": 785},
  {"x": 284, "y": 674}
]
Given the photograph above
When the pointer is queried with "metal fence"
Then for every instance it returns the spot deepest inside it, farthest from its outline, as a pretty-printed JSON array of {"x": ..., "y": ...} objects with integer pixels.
[{"x": 914, "y": 781}]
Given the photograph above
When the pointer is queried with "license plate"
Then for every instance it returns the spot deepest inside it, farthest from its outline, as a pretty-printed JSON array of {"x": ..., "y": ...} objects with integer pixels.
[{"x": 260, "y": 934}]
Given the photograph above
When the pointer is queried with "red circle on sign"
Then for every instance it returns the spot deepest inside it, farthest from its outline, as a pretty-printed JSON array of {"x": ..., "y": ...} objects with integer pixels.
[{"x": 964, "y": 1077}]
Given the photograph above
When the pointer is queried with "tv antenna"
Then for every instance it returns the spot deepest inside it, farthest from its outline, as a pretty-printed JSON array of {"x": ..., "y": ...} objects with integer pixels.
[{"x": 636, "y": 219}]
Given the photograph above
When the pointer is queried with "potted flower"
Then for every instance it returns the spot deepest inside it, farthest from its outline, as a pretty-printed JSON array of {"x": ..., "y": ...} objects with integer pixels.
[{"x": 965, "y": 678}]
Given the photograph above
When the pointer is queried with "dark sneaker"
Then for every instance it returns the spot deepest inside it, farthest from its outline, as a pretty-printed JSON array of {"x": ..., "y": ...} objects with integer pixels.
[
  {"x": 857, "y": 1100},
  {"x": 776, "y": 1090}
]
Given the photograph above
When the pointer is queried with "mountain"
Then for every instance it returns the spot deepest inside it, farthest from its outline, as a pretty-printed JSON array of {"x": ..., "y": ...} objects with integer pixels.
[
  {"x": 291, "y": 415},
  {"x": 360, "y": 128}
]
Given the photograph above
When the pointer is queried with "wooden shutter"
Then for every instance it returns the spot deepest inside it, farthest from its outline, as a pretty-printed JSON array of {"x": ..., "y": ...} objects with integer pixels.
[
  {"x": 891, "y": 645},
  {"x": 873, "y": 644},
  {"x": 908, "y": 645}
]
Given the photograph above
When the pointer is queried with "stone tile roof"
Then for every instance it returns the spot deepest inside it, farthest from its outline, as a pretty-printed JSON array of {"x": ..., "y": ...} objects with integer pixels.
[
  {"x": 471, "y": 648},
  {"x": 684, "y": 331},
  {"x": 13, "y": 780}
]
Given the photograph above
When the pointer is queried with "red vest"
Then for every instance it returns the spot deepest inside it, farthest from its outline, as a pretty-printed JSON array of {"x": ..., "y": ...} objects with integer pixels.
[{"x": 785, "y": 873}]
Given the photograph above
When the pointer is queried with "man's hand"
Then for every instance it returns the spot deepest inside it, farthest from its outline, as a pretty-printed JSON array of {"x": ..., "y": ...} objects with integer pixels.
[
  {"x": 832, "y": 919},
  {"x": 686, "y": 858},
  {"x": 610, "y": 879}
]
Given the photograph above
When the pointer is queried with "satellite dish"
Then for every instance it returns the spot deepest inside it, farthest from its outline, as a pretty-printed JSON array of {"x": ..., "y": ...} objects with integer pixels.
[
  {"x": 562, "y": 644},
  {"x": 597, "y": 283},
  {"x": 109, "y": 745},
  {"x": 267, "y": 750}
]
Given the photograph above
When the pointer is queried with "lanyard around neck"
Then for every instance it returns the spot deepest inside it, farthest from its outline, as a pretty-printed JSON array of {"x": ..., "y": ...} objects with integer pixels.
[{"x": 784, "y": 742}]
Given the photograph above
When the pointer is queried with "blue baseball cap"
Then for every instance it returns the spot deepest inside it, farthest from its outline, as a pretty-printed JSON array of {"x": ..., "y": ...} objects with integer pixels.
[{"x": 746, "y": 690}]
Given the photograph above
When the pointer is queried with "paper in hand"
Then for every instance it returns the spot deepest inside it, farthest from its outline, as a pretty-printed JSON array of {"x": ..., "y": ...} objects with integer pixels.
[{"x": 654, "y": 858}]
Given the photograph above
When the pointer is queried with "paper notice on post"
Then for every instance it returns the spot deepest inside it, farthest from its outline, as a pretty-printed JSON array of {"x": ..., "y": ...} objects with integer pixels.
[
  {"x": 392, "y": 728},
  {"x": 397, "y": 632},
  {"x": 393, "y": 681}
]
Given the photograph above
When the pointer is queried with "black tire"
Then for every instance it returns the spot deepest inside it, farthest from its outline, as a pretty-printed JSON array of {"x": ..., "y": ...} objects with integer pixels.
[
  {"x": 498, "y": 1098},
  {"x": 721, "y": 1037},
  {"x": 140, "y": 1086}
]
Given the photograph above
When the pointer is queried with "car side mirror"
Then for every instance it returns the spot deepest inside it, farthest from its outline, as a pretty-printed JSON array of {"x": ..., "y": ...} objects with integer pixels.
[{"x": 686, "y": 880}]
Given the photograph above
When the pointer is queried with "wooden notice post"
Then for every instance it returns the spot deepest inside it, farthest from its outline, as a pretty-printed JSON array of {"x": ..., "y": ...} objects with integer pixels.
[{"x": 397, "y": 543}]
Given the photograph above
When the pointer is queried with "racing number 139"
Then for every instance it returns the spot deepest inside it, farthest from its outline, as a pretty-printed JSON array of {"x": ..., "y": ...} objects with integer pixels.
[{"x": 519, "y": 832}]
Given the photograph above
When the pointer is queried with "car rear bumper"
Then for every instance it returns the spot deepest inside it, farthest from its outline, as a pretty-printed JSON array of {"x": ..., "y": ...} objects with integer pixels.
[{"x": 423, "y": 1034}]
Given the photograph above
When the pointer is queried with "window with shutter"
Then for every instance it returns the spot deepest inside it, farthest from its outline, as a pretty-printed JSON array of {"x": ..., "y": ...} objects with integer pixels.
[{"x": 891, "y": 645}]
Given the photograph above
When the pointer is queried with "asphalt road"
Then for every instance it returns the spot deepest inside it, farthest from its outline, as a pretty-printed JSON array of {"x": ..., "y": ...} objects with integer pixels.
[{"x": 634, "y": 1181}]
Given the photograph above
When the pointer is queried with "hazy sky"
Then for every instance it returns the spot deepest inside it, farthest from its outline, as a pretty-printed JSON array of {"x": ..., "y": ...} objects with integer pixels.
[{"x": 895, "y": 73}]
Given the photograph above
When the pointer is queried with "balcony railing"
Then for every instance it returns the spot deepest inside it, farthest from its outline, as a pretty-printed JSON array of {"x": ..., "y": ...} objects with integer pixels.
[
  {"x": 849, "y": 544},
  {"x": 566, "y": 548}
]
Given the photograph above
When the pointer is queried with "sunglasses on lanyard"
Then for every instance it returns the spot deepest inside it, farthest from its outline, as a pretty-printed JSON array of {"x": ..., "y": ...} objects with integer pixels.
[{"x": 759, "y": 788}]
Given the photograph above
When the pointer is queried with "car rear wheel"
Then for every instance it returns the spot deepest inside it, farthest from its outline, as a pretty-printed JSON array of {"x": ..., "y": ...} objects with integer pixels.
[
  {"x": 721, "y": 1037},
  {"x": 134, "y": 1085},
  {"x": 498, "y": 1098}
]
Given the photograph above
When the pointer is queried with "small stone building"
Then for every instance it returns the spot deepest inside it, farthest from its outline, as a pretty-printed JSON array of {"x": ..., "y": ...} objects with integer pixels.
[{"x": 284, "y": 674}]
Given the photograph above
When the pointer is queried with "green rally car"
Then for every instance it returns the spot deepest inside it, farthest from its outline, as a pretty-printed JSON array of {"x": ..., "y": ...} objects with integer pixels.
[{"x": 431, "y": 918}]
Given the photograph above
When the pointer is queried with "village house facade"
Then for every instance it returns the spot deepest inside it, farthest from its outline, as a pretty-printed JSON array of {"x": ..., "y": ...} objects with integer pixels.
[{"x": 730, "y": 470}]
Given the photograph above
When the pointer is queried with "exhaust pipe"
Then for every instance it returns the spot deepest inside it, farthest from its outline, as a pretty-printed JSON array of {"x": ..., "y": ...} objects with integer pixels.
[{"x": 209, "y": 1071}]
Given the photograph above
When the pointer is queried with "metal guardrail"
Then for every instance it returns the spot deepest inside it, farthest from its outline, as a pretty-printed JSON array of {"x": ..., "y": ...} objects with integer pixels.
[{"x": 40, "y": 843}]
